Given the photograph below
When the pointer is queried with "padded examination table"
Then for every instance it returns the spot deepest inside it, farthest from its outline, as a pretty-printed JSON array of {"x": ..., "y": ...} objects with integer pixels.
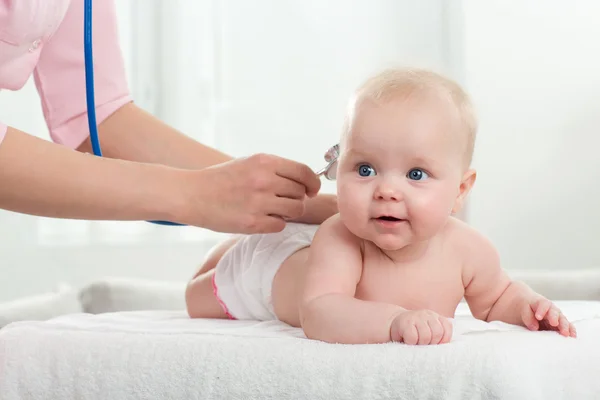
[{"x": 165, "y": 355}]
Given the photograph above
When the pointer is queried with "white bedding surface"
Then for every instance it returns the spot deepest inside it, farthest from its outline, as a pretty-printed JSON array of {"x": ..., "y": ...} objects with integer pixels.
[{"x": 164, "y": 355}]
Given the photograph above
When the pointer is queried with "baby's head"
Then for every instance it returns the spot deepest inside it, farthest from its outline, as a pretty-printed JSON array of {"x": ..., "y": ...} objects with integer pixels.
[{"x": 405, "y": 156}]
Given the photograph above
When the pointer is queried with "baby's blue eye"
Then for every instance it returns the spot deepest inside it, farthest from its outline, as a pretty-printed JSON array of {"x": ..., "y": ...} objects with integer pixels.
[
  {"x": 366, "y": 170},
  {"x": 417, "y": 174}
]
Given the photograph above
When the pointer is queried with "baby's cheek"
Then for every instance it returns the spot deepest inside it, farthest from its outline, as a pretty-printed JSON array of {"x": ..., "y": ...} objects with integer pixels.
[
  {"x": 431, "y": 211},
  {"x": 353, "y": 202},
  {"x": 349, "y": 200}
]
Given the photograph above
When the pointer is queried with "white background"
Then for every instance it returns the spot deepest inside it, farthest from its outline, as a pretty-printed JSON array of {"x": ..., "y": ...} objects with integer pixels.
[
  {"x": 274, "y": 76},
  {"x": 533, "y": 69}
]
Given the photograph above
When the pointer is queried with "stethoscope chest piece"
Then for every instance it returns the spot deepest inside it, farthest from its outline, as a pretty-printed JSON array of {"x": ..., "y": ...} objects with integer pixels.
[{"x": 331, "y": 157}]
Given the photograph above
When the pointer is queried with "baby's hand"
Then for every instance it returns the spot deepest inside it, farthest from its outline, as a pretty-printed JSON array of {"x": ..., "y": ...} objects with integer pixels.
[
  {"x": 421, "y": 327},
  {"x": 541, "y": 314}
]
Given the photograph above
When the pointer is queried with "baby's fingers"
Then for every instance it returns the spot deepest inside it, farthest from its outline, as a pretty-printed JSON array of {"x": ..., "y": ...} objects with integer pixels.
[
  {"x": 563, "y": 325},
  {"x": 447, "y": 330},
  {"x": 541, "y": 308},
  {"x": 554, "y": 316},
  {"x": 410, "y": 335},
  {"x": 572, "y": 331},
  {"x": 528, "y": 318},
  {"x": 437, "y": 330},
  {"x": 424, "y": 332}
]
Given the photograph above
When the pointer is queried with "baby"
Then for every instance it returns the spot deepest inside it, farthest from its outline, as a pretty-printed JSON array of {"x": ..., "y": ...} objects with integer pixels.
[{"x": 394, "y": 264}]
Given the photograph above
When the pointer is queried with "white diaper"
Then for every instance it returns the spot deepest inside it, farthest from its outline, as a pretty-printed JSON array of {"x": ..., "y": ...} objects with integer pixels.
[{"x": 244, "y": 276}]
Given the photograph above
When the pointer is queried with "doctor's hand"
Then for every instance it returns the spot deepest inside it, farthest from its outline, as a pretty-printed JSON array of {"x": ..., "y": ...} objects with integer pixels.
[
  {"x": 317, "y": 209},
  {"x": 257, "y": 194}
]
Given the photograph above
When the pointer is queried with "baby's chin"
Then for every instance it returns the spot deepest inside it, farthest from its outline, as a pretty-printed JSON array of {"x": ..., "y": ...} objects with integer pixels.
[
  {"x": 390, "y": 244},
  {"x": 386, "y": 242}
]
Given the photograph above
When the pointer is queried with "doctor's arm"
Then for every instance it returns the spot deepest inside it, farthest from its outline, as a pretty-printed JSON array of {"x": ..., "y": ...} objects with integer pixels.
[
  {"x": 42, "y": 178},
  {"x": 133, "y": 134},
  {"x": 280, "y": 187}
]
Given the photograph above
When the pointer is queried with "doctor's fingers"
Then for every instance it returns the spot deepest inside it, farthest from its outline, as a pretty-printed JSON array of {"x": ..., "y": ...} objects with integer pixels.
[
  {"x": 267, "y": 224},
  {"x": 284, "y": 207},
  {"x": 299, "y": 173},
  {"x": 287, "y": 188}
]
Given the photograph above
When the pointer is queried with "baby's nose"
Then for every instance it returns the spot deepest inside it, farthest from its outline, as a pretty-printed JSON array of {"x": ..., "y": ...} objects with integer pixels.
[{"x": 388, "y": 193}]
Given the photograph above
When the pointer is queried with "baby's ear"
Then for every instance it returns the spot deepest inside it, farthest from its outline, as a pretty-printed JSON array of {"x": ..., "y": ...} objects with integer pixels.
[{"x": 466, "y": 184}]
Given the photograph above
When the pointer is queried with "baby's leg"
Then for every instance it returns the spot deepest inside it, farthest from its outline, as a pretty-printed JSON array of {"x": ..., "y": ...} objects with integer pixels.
[{"x": 199, "y": 295}]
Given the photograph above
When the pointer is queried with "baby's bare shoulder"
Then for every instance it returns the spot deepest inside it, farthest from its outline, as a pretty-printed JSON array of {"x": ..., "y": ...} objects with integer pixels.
[
  {"x": 334, "y": 229},
  {"x": 477, "y": 254},
  {"x": 334, "y": 237},
  {"x": 334, "y": 250},
  {"x": 470, "y": 244}
]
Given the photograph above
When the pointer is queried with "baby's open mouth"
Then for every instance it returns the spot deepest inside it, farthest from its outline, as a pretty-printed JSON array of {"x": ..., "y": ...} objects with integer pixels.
[{"x": 389, "y": 218}]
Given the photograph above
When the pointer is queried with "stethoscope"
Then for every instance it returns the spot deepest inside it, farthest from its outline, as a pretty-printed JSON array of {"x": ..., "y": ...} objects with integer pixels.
[{"x": 331, "y": 157}]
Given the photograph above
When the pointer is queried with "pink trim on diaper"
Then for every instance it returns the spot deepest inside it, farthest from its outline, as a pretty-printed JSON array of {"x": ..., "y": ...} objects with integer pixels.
[{"x": 216, "y": 292}]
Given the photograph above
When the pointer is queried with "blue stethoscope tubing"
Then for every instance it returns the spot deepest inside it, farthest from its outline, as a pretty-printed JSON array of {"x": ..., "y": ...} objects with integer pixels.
[{"x": 89, "y": 92}]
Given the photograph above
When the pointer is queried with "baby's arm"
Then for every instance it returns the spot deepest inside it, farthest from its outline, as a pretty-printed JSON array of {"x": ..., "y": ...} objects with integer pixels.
[
  {"x": 493, "y": 296},
  {"x": 329, "y": 311}
]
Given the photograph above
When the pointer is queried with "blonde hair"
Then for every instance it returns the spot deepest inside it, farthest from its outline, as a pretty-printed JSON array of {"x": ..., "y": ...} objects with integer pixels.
[{"x": 389, "y": 83}]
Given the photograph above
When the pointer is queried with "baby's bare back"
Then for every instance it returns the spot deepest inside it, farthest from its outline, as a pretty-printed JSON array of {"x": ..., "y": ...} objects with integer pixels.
[
  {"x": 433, "y": 281},
  {"x": 288, "y": 285}
]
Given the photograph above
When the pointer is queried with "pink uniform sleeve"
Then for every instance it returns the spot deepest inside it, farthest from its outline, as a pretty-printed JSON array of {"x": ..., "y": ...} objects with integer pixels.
[{"x": 60, "y": 73}]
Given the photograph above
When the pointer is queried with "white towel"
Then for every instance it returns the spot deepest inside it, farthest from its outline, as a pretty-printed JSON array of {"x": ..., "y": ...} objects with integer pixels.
[
  {"x": 130, "y": 294},
  {"x": 42, "y": 306},
  {"x": 164, "y": 355}
]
